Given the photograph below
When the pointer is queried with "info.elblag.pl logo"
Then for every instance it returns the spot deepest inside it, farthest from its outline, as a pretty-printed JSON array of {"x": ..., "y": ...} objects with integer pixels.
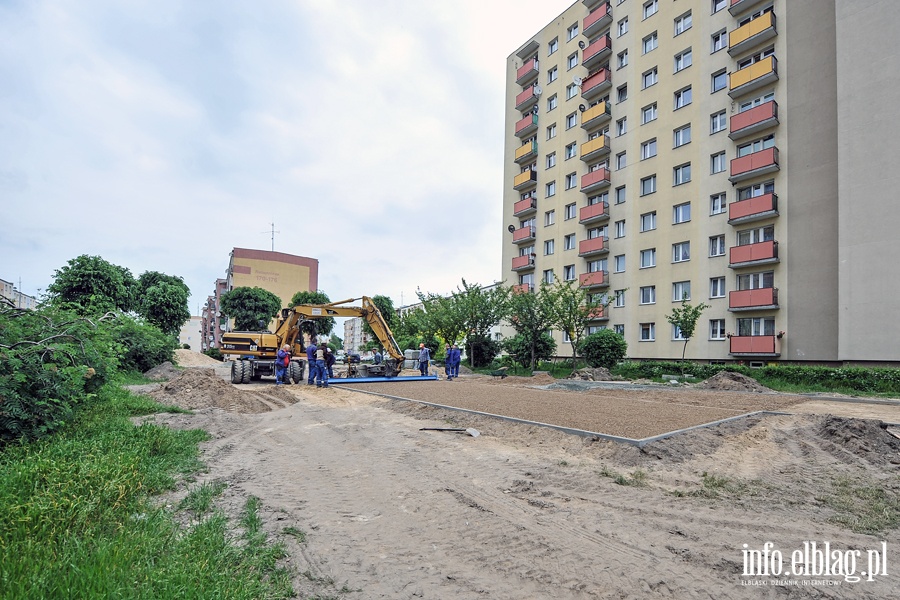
[{"x": 813, "y": 563}]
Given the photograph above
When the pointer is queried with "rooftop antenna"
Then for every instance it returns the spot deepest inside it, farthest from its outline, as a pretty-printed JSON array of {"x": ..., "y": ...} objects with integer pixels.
[{"x": 273, "y": 235}]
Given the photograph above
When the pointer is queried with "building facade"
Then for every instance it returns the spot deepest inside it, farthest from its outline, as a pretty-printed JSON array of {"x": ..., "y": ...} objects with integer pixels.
[
  {"x": 9, "y": 291},
  {"x": 719, "y": 151}
]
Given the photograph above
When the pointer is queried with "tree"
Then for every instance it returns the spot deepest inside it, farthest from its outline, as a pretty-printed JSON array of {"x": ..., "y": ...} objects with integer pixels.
[
  {"x": 323, "y": 326},
  {"x": 573, "y": 308},
  {"x": 525, "y": 351},
  {"x": 531, "y": 314},
  {"x": 443, "y": 317},
  {"x": 162, "y": 300},
  {"x": 685, "y": 319},
  {"x": 386, "y": 308},
  {"x": 604, "y": 348},
  {"x": 90, "y": 285},
  {"x": 251, "y": 308}
]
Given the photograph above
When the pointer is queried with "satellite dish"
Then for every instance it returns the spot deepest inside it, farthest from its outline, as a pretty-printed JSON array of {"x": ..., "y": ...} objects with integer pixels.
[
  {"x": 537, "y": 90},
  {"x": 582, "y": 107},
  {"x": 577, "y": 80},
  {"x": 581, "y": 44},
  {"x": 511, "y": 228}
]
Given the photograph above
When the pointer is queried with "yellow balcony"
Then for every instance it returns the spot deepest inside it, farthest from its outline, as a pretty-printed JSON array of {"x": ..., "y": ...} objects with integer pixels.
[
  {"x": 595, "y": 148},
  {"x": 753, "y": 77},
  {"x": 595, "y": 116},
  {"x": 753, "y": 33},
  {"x": 525, "y": 180},
  {"x": 526, "y": 151}
]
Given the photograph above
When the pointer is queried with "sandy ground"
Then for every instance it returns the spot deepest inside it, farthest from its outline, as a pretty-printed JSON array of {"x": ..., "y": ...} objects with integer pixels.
[{"x": 521, "y": 511}]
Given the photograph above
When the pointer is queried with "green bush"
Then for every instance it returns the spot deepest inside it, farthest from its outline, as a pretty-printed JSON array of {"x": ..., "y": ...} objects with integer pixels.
[
  {"x": 214, "y": 353},
  {"x": 604, "y": 348},
  {"x": 142, "y": 346},
  {"x": 519, "y": 348},
  {"x": 481, "y": 350}
]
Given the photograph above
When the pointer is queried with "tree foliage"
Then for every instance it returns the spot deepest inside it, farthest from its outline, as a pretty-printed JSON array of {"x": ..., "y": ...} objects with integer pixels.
[
  {"x": 532, "y": 315},
  {"x": 573, "y": 309},
  {"x": 90, "y": 285},
  {"x": 250, "y": 306},
  {"x": 386, "y": 308},
  {"x": 685, "y": 318},
  {"x": 317, "y": 327},
  {"x": 528, "y": 352},
  {"x": 165, "y": 305},
  {"x": 604, "y": 348}
]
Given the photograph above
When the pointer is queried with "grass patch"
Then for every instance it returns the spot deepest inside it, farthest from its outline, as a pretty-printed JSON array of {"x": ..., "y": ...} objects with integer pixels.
[
  {"x": 637, "y": 478},
  {"x": 862, "y": 508},
  {"x": 78, "y": 517},
  {"x": 716, "y": 486}
]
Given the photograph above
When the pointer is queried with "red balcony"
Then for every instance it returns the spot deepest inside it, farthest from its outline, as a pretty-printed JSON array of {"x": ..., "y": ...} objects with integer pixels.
[
  {"x": 752, "y": 34},
  {"x": 523, "y": 288},
  {"x": 527, "y": 98},
  {"x": 739, "y": 6},
  {"x": 597, "y": 51},
  {"x": 593, "y": 246},
  {"x": 755, "y": 345},
  {"x": 594, "y": 213},
  {"x": 595, "y": 116},
  {"x": 753, "y": 209},
  {"x": 595, "y": 180},
  {"x": 523, "y": 207},
  {"x": 598, "y": 314},
  {"x": 753, "y": 77},
  {"x": 597, "y": 20},
  {"x": 595, "y": 84},
  {"x": 524, "y": 180},
  {"x": 595, "y": 279},
  {"x": 754, "y": 164},
  {"x": 523, "y": 234},
  {"x": 760, "y": 253},
  {"x": 521, "y": 263},
  {"x": 526, "y": 126},
  {"x": 527, "y": 72},
  {"x": 755, "y": 120},
  {"x": 526, "y": 152},
  {"x": 760, "y": 299}
]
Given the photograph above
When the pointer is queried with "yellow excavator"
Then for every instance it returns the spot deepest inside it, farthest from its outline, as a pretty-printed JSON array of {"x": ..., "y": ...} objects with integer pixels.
[{"x": 255, "y": 351}]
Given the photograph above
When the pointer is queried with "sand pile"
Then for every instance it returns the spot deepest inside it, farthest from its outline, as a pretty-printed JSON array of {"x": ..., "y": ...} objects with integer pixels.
[
  {"x": 864, "y": 438},
  {"x": 732, "y": 382},
  {"x": 162, "y": 372},
  {"x": 588, "y": 374},
  {"x": 189, "y": 358},
  {"x": 197, "y": 388}
]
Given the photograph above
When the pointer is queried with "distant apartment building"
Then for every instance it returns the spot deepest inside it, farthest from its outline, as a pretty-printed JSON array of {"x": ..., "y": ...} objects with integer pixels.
[
  {"x": 9, "y": 291},
  {"x": 732, "y": 152},
  {"x": 191, "y": 333}
]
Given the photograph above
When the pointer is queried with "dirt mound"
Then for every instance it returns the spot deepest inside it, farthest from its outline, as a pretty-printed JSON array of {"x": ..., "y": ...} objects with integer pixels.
[
  {"x": 189, "y": 358},
  {"x": 732, "y": 382},
  {"x": 201, "y": 388},
  {"x": 162, "y": 372},
  {"x": 865, "y": 438},
  {"x": 588, "y": 374}
]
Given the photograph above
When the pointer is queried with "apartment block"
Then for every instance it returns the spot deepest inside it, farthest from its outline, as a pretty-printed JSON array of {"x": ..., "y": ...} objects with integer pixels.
[{"x": 732, "y": 152}]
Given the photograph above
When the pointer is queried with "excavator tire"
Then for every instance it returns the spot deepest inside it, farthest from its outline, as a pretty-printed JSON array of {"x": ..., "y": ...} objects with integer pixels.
[
  {"x": 246, "y": 371},
  {"x": 237, "y": 371},
  {"x": 295, "y": 371}
]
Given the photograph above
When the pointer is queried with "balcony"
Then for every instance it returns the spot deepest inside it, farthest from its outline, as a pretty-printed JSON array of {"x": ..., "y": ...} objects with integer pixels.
[
  {"x": 751, "y": 255},
  {"x": 523, "y": 288},
  {"x": 757, "y": 119},
  {"x": 595, "y": 148},
  {"x": 593, "y": 246},
  {"x": 751, "y": 78},
  {"x": 753, "y": 33},
  {"x": 760, "y": 299},
  {"x": 597, "y": 20},
  {"x": 595, "y": 116},
  {"x": 526, "y": 126},
  {"x": 753, "y": 209},
  {"x": 738, "y": 6},
  {"x": 525, "y": 180},
  {"x": 594, "y": 280},
  {"x": 596, "y": 51},
  {"x": 524, "y": 234},
  {"x": 528, "y": 49},
  {"x": 527, "y": 72},
  {"x": 595, "y": 180},
  {"x": 596, "y": 84},
  {"x": 598, "y": 314},
  {"x": 521, "y": 263},
  {"x": 527, "y": 98},
  {"x": 754, "y": 164},
  {"x": 526, "y": 152},
  {"x": 594, "y": 213},
  {"x": 524, "y": 207},
  {"x": 755, "y": 346}
]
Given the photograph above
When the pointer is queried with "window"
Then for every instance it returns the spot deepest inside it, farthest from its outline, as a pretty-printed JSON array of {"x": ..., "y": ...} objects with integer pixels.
[
  {"x": 572, "y": 61},
  {"x": 622, "y": 26},
  {"x": 572, "y": 31},
  {"x": 757, "y": 326},
  {"x": 648, "y": 258},
  {"x": 681, "y": 291},
  {"x": 717, "y": 122},
  {"x": 681, "y": 213},
  {"x": 552, "y": 74},
  {"x": 682, "y": 98},
  {"x": 648, "y": 113},
  {"x": 756, "y": 281},
  {"x": 717, "y": 287},
  {"x": 648, "y": 332},
  {"x": 648, "y": 221},
  {"x": 648, "y": 294},
  {"x": 571, "y": 91},
  {"x": 550, "y": 189},
  {"x": 622, "y": 58},
  {"x": 718, "y": 5},
  {"x": 622, "y": 93},
  {"x": 681, "y": 174},
  {"x": 548, "y": 277},
  {"x": 755, "y": 236},
  {"x": 620, "y": 298},
  {"x": 756, "y": 146},
  {"x": 620, "y": 229},
  {"x": 650, "y": 8},
  {"x": 571, "y": 150},
  {"x": 681, "y": 252},
  {"x": 754, "y": 15},
  {"x": 571, "y": 181},
  {"x": 650, "y": 42},
  {"x": 551, "y": 131},
  {"x": 551, "y": 160},
  {"x": 569, "y": 242},
  {"x": 758, "y": 189},
  {"x": 571, "y": 121},
  {"x": 676, "y": 333},
  {"x": 569, "y": 272},
  {"x": 717, "y": 162},
  {"x": 683, "y": 23},
  {"x": 719, "y": 80},
  {"x": 620, "y": 160},
  {"x": 622, "y": 126},
  {"x": 571, "y": 213},
  {"x": 620, "y": 195},
  {"x": 551, "y": 102},
  {"x": 719, "y": 40},
  {"x": 549, "y": 218},
  {"x": 619, "y": 328},
  {"x": 755, "y": 58},
  {"x": 553, "y": 46},
  {"x": 648, "y": 149},
  {"x": 682, "y": 136},
  {"x": 649, "y": 78},
  {"x": 549, "y": 247},
  {"x": 683, "y": 60},
  {"x": 648, "y": 185},
  {"x": 619, "y": 262},
  {"x": 717, "y": 329},
  {"x": 748, "y": 104},
  {"x": 597, "y": 266},
  {"x": 717, "y": 204}
]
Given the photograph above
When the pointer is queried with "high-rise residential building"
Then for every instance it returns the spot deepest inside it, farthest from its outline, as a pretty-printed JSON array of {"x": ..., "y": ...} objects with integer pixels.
[{"x": 732, "y": 152}]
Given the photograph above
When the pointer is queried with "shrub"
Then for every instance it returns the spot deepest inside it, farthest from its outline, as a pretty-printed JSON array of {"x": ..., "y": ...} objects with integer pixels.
[
  {"x": 519, "y": 348},
  {"x": 604, "y": 348},
  {"x": 481, "y": 350},
  {"x": 142, "y": 346},
  {"x": 214, "y": 353}
]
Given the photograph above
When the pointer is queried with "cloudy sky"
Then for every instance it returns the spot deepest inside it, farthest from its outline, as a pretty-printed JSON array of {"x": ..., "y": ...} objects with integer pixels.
[{"x": 160, "y": 134}]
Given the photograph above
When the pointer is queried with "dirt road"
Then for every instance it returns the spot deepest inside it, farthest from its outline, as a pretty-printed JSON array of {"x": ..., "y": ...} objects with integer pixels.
[{"x": 390, "y": 511}]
